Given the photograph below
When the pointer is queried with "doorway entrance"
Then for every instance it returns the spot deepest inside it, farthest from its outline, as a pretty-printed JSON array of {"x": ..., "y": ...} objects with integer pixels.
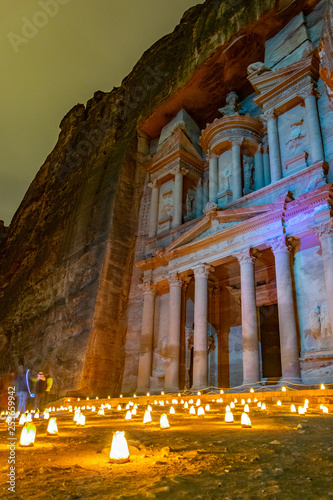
[{"x": 270, "y": 342}]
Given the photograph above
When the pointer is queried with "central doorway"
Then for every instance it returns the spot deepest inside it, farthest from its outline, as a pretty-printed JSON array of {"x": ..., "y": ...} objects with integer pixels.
[{"x": 270, "y": 342}]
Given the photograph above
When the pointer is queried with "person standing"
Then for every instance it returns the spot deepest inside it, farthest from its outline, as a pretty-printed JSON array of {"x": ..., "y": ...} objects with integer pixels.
[
  {"x": 49, "y": 384},
  {"x": 40, "y": 391},
  {"x": 21, "y": 389}
]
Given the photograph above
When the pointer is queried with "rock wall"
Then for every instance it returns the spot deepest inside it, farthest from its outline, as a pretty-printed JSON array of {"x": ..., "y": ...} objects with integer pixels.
[{"x": 67, "y": 260}]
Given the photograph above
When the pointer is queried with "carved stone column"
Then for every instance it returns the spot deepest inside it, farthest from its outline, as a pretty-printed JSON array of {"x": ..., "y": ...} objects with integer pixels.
[
  {"x": 286, "y": 308},
  {"x": 236, "y": 168},
  {"x": 213, "y": 176},
  {"x": 200, "y": 198},
  {"x": 267, "y": 167},
  {"x": 147, "y": 334},
  {"x": 153, "y": 216},
  {"x": 200, "y": 359},
  {"x": 178, "y": 196},
  {"x": 259, "y": 168},
  {"x": 313, "y": 124},
  {"x": 173, "y": 345},
  {"x": 251, "y": 372},
  {"x": 274, "y": 146},
  {"x": 325, "y": 236}
]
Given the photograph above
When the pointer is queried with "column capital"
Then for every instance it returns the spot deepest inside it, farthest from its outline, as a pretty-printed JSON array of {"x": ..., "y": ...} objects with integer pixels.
[
  {"x": 269, "y": 115},
  {"x": 307, "y": 91},
  {"x": 148, "y": 288},
  {"x": 280, "y": 245},
  {"x": 265, "y": 150},
  {"x": 175, "y": 280},
  {"x": 324, "y": 230},
  {"x": 246, "y": 256},
  {"x": 203, "y": 270},
  {"x": 153, "y": 184},
  {"x": 211, "y": 155},
  {"x": 237, "y": 141},
  {"x": 179, "y": 170}
]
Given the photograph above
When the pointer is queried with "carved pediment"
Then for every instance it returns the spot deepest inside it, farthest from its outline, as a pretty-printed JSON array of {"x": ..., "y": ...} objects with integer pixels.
[
  {"x": 216, "y": 222},
  {"x": 284, "y": 84}
]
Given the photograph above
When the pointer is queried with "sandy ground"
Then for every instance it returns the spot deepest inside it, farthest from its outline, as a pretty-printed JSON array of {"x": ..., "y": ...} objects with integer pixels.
[{"x": 197, "y": 458}]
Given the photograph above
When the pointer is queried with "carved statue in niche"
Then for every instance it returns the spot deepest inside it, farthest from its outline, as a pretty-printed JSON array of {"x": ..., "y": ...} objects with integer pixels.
[
  {"x": 226, "y": 176},
  {"x": 190, "y": 203},
  {"x": 320, "y": 322},
  {"x": 314, "y": 320},
  {"x": 248, "y": 168},
  {"x": 167, "y": 205},
  {"x": 211, "y": 343},
  {"x": 232, "y": 105},
  {"x": 325, "y": 325}
]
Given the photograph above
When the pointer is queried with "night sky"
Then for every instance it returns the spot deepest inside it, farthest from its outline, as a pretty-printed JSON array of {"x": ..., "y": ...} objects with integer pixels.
[{"x": 55, "y": 54}]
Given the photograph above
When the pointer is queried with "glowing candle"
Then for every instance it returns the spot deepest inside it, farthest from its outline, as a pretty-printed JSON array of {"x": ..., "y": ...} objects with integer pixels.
[
  {"x": 198, "y": 402},
  {"x": 227, "y": 408},
  {"x": 101, "y": 412},
  {"x": 322, "y": 386},
  {"x": 52, "y": 427},
  {"x": 245, "y": 421},
  {"x": 232, "y": 404},
  {"x": 324, "y": 409},
  {"x": 249, "y": 400},
  {"x": 28, "y": 435},
  {"x": 164, "y": 422},
  {"x": 147, "y": 417},
  {"x": 263, "y": 406},
  {"x": 243, "y": 402},
  {"x": 81, "y": 420},
  {"x": 283, "y": 389},
  {"x": 293, "y": 408},
  {"x": 251, "y": 390},
  {"x": 199, "y": 393},
  {"x": 23, "y": 419},
  {"x": 246, "y": 408},
  {"x": 119, "y": 407},
  {"x": 148, "y": 394},
  {"x": 172, "y": 410},
  {"x": 192, "y": 410},
  {"x": 186, "y": 405},
  {"x": 191, "y": 401},
  {"x": 301, "y": 410},
  {"x": 149, "y": 408},
  {"x": 134, "y": 411},
  {"x": 201, "y": 411},
  {"x": 259, "y": 404},
  {"x": 279, "y": 403},
  {"x": 119, "y": 452},
  {"x": 46, "y": 415},
  {"x": 128, "y": 415},
  {"x": 228, "y": 417},
  {"x": 221, "y": 391}
]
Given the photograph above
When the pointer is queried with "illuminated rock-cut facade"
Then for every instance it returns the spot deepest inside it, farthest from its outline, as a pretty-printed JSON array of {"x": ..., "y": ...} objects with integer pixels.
[
  {"x": 180, "y": 234},
  {"x": 237, "y": 269}
]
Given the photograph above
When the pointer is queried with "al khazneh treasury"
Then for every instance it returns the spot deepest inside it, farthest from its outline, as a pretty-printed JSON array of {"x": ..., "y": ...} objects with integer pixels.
[{"x": 180, "y": 234}]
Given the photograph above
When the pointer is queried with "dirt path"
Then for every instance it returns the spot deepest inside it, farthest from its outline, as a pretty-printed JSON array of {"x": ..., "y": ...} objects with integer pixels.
[{"x": 197, "y": 458}]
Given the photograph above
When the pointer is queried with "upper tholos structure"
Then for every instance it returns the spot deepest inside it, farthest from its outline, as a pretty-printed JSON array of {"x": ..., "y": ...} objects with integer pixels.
[{"x": 180, "y": 233}]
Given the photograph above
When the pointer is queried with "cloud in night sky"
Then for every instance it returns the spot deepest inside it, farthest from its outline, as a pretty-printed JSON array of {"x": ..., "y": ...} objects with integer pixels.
[{"x": 78, "y": 47}]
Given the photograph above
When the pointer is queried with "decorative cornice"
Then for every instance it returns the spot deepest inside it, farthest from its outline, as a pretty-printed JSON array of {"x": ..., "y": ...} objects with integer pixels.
[{"x": 203, "y": 270}]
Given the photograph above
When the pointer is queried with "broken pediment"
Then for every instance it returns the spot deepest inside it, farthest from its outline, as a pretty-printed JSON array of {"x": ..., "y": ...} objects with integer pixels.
[{"x": 276, "y": 88}]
